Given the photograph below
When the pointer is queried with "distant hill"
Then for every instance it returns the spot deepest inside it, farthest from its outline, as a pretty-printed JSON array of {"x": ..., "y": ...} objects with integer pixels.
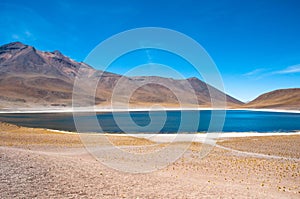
[
  {"x": 33, "y": 78},
  {"x": 282, "y": 98}
]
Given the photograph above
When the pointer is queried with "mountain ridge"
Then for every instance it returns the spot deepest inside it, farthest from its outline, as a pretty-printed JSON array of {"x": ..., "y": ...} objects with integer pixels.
[{"x": 34, "y": 78}]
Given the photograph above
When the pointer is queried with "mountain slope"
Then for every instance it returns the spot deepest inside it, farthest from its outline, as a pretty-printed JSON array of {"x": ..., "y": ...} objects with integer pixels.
[
  {"x": 32, "y": 78},
  {"x": 282, "y": 98}
]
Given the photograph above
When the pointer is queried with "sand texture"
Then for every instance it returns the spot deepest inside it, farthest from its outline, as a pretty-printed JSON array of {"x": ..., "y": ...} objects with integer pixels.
[{"x": 37, "y": 163}]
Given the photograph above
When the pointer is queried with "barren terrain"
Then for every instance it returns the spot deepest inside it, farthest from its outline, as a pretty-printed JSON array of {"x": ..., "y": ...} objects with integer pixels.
[{"x": 37, "y": 163}]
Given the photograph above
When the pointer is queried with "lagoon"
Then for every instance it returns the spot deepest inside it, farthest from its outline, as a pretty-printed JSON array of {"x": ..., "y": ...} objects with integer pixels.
[{"x": 148, "y": 121}]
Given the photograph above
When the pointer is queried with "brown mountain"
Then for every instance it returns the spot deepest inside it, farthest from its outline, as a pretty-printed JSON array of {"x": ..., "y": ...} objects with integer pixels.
[
  {"x": 33, "y": 78},
  {"x": 282, "y": 98},
  {"x": 30, "y": 77}
]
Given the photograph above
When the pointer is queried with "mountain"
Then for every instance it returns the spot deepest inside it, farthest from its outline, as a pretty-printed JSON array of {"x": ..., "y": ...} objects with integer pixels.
[
  {"x": 33, "y": 78},
  {"x": 282, "y": 98},
  {"x": 30, "y": 77}
]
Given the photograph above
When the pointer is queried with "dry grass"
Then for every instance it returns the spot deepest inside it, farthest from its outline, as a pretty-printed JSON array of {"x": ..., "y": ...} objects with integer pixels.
[
  {"x": 12, "y": 135},
  {"x": 285, "y": 146}
]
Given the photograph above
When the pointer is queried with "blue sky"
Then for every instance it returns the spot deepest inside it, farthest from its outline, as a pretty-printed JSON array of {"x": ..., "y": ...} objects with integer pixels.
[{"x": 255, "y": 44}]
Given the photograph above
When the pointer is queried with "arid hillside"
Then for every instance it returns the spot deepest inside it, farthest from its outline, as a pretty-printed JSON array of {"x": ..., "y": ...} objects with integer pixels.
[
  {"x": 283, "y": 98},
  {"x": 33, "y": 78}
]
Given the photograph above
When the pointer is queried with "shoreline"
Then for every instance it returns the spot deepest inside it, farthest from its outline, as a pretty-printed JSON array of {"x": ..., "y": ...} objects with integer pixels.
[
  {"x": 106, "y": 110},
  {"x": 199, "y": 137}
]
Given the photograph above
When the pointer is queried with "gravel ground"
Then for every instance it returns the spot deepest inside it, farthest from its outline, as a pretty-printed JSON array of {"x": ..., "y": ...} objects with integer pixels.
[{"x": 37, "y": 163}]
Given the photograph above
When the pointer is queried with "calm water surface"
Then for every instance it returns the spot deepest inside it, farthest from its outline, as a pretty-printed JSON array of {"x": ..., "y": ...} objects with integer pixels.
[{"x": 235, "y": 121}]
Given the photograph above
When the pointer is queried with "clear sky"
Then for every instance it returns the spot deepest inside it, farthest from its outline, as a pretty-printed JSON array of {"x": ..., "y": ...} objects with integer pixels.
[{"x": 255, "y": 44}]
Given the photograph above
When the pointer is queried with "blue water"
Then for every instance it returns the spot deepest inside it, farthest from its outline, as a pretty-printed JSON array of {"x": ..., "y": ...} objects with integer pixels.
[{"x": 235, "y": 121}]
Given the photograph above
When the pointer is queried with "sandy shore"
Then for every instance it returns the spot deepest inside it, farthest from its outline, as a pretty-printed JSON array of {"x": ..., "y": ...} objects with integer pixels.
[{"x": 38, "y": 163}]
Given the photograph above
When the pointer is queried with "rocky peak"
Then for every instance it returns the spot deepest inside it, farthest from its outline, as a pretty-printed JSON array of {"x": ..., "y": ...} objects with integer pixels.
[
  {"x": 13, "y": 46},
  {"x": 193, "y": 79},
  {"x": 58, "y": 53}
]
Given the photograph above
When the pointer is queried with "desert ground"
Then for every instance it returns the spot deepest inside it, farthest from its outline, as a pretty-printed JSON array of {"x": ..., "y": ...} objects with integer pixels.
[{"x": 39, "y": 163}]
